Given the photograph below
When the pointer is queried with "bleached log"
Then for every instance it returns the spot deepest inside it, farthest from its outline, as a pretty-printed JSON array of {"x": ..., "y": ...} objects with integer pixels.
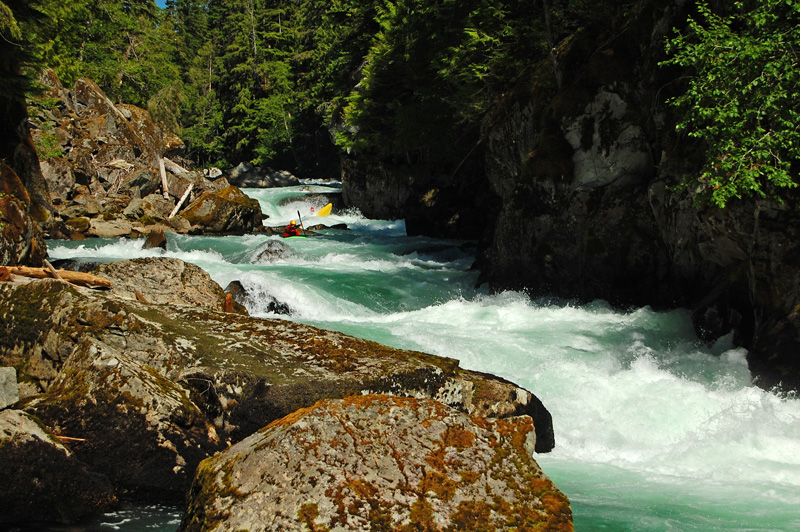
[
  {"x": 79, "y": 278},
  {"x": 183, "y": 198},
  {"x": 174, "y": 167},
  {"x": 164, "y": 184}
]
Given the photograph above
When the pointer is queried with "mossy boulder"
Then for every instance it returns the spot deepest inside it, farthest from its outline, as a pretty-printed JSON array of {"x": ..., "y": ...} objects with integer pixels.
[
  {"x": 139, "y": 428},
  {"x": 379, "y": 462},
  {"x": 205, "y": 368},
  {"x": 224, "y": 211}
]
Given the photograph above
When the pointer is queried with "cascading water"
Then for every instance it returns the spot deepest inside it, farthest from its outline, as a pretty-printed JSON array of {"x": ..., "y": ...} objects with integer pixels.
[{"x": 654, "y": 430}]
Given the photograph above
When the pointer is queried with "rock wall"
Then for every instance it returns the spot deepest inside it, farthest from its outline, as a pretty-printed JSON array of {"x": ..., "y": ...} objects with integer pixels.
[
  {"x": 578, "y": 199},
  {"x": 446, "y": 204},
  {"x": 24, "y": 196},
  {"x": 590, "y": 210}
]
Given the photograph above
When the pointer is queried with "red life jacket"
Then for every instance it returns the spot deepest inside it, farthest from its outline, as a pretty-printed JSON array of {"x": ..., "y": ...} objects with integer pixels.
[{"x": 291, "y": 230}]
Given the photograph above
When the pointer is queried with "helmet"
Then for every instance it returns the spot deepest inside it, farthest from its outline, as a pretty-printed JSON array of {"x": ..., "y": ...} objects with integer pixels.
[{"x": 293, "y": 222}]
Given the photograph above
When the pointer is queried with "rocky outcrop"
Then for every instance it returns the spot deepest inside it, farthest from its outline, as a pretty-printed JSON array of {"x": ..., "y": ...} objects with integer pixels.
[
  {"x": 103, "y": 161},
  {"x": 378, "y": 462},
  {"x": 154, "y": 388},
  {"x": 164, "y": 281},
  {"x": 580, "y": 197},
  {"x": 590, "y": 207},
  {"x": 246, "y": 175},
  {"x": 41, "y": 480}
]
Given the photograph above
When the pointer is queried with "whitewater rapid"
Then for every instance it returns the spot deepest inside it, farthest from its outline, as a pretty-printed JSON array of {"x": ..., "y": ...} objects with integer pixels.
[{"x": 654, "y": 429}]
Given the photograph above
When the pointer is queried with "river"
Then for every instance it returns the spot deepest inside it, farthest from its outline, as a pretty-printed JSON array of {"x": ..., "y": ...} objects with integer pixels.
[{"x": 655, "y": 431}]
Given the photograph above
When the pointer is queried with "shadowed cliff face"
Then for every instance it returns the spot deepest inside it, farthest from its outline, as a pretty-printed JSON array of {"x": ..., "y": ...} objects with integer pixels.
[
  {"x": 589, "y": 208},
  {"x": 24, "y": 197},
  {"x": 585, "y": 172}
]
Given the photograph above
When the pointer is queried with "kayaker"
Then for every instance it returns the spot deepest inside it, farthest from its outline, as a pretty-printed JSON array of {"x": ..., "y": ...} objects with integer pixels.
[{"x": 291, "y": 230}]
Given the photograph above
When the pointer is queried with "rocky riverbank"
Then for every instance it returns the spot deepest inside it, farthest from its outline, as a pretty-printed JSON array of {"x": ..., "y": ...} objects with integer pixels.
[{"x": 135, "y": 392}]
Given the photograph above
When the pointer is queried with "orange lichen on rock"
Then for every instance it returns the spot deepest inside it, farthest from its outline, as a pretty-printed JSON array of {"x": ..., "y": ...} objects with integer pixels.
[{"x": 379, "y": 462}]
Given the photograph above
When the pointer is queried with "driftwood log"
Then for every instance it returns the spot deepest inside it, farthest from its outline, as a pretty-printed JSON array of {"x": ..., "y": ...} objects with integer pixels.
[
  {"x": 79, "y": 278},
  {"x": 174, "y": 167}
]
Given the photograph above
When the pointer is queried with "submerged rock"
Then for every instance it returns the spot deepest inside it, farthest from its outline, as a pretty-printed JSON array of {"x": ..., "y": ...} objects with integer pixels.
[{"x": 379, "y": 462}]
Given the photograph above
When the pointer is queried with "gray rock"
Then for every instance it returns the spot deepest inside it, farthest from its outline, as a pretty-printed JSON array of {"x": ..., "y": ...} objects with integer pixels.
[
  {"x": 378, "y": 462},
  {"x": 9, "y": 390},
  {"x": 212, "y": 173},
  {"x": 112, "y": 228},
  {"x": 164, "y": 280}
]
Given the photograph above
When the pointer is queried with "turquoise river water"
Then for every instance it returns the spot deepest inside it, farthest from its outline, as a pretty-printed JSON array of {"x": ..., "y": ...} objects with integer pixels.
[{"x": 655, "y": 431}]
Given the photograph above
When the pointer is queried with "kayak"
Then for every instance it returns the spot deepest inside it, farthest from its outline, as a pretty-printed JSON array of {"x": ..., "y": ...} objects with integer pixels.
[{"x": 325, "y": 211}]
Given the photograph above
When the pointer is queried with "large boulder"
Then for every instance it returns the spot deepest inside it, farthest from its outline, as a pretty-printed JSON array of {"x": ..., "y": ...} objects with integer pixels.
[
  {"x": 223, "y": 212},
  {"x": 41, "y": 480},
  {"x": 167, "y": 374},
  {"x": 164, "y": 281},
  {"x": 140, "y": 429},
  {"x": 379, "y": 462}
]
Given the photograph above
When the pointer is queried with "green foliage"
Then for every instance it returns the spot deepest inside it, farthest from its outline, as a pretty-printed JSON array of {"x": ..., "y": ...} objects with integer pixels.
[
  {"x": 15, "y": 50},
  {"x": 433, "y": 69},
  {"x": 265, "y": 80},
  {"x": 743, "y": 97}
]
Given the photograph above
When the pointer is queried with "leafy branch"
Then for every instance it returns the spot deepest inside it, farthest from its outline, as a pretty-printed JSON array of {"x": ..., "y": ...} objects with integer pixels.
[{"x": 743, "y": 98}]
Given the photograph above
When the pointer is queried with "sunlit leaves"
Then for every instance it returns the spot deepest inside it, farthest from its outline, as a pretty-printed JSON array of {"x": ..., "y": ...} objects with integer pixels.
[{"x": 743, "y": 99}]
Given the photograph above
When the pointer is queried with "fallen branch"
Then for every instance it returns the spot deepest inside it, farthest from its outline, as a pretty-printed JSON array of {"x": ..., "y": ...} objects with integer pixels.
[
  {"x": 52, "y": 270},
  {"x": 164, "y": 184},
  {"x": 67, "y": 438},
  {"x": 79, "y": 278},
  {"x": 174, "y": 167},
  {"x": 180, "y": 202}
]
